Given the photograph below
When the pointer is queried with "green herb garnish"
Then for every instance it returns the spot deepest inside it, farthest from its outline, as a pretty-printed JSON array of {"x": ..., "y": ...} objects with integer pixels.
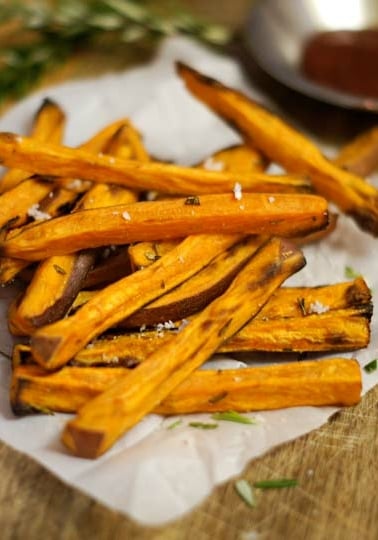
[
  {"x": 203, "y": 425},
  {"x": 61, "y": 28},
  {"x": 245, "y": 491},
  {"x": 351, "y": 273},
  {"x": 371, "y": 366},
  {"x": 192, "y": 201},
  {"x": 276, "y": 483},
  {"x": 302, "y": 307},
  {"x": 233, "y": 416},
  {"x": 175, "y": 424}
]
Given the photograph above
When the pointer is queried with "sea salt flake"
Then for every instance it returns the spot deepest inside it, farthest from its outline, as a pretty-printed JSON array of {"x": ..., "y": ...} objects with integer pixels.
[
  {"x": 238, "y": 191},
  {"x": 271, "y": 199},
  {"x": 211, "y": 164},
  {"x": 37, "y": 214},
  {"x": 126, "y": 216},
  {"x": 318, "y": 307},
  {"x": 76, "y": 184},
  {"x": 184, "y": 323}
]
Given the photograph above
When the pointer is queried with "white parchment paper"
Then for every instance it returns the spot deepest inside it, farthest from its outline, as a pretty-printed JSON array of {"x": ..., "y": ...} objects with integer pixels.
[{"x": 155, "y": 474}]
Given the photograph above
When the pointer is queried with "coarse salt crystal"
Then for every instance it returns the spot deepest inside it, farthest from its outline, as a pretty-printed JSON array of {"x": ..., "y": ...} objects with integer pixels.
[
  {"x": 76, "y": 184},
  {"x": 238, "y": 191},
  {"x": 37, "y": 214},
  {"x": 211, "y": 164},
  {"x": 318, "y": 307},
  {"x": 271, "y": 199},
  {"x": 126, "y": 216}
]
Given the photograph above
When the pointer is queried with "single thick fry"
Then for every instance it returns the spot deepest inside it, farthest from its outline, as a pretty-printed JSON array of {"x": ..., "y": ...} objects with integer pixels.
[
  {"x": 282, "y": 214},
  {"x": 73, "y": 162},
  {"x": 55, "y": 344},
  {"x": 336, "y": 331},
  {"x": 48, "y": 126},
  {"x": 287, "y": 147},
  {"x": 360, "y": 156},
  {"x": 299, "y": 302},
  {"x": 104, "y": 419},
  {"x": 336, "y": 381}
]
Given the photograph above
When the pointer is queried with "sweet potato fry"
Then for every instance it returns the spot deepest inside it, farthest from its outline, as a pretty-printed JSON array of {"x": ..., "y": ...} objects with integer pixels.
[
  {"x": 55, "y": 344},
  {"x": 48, "y": 126},
  {"x": 241, "y": 159},
  {"x": 17, "y": 151},
  {"x": 296, "y": 154},
  {"x": 334, "y": 331},
  {"x": 104, "y": 419},
  {"x": 339, "y": 329},
  {"x": 282, "y": 214},
  {"x": 195, "y": 293},
  {"x": 334, "y": 381},
  {"x": 360, "y": 156}
]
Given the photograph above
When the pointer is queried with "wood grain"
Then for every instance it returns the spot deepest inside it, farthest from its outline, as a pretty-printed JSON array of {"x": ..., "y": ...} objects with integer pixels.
[{"x": 335, "y": 465}]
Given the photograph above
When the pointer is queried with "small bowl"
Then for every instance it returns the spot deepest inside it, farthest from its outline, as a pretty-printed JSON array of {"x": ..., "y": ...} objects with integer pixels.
[{"x": 277, "y": 30}]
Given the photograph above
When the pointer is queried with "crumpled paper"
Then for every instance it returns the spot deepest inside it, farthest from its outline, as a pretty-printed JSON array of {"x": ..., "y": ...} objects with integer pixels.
[{"x": 155, "y": 474}]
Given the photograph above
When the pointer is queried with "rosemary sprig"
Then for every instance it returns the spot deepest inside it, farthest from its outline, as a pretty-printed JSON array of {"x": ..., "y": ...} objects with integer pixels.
[{"x": 60, "y": 28}]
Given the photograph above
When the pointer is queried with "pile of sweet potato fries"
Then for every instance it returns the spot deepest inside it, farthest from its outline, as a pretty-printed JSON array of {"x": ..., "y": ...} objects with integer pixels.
[{"x": 136, "y": 271}]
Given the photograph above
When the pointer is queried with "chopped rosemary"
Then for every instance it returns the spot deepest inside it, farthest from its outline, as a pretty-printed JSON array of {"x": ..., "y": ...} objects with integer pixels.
[
  {"x": 218, "y": 397},
  {"x": 203, "y": 425},
  {"x": 233, "y": 416},
  {"x": 351, "y": 273},
  {"x": 371, "y": 366},
  {"x": 59, "y": 269},
  {"x": 245, "y": 491},
  {"x": 175, "y": 424},
  {"x": 150, "y": 256},
  {"x": 193, "y": 201},
  {"x": 276, "y": 483},
  {"x": 302, "y": 307}
]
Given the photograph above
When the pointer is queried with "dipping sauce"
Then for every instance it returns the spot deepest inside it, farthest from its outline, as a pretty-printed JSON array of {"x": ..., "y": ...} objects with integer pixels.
[{"x": 345, "y": 60}]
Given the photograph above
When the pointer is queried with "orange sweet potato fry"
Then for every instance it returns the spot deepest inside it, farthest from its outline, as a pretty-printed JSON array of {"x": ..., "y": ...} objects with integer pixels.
[
  {"x": 287, "y": 147},
  {"x": 281, "y": 214},
  {"x": 335, "y": 381},
  {"x": 17, "y": 151}
]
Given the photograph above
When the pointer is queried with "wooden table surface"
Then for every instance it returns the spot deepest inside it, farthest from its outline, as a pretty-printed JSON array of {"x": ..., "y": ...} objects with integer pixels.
[{"x": 336, "y": 465}]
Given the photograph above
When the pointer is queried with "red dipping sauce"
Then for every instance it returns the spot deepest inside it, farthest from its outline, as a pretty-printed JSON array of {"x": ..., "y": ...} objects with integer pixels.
[{"x": 344, "y": 60}]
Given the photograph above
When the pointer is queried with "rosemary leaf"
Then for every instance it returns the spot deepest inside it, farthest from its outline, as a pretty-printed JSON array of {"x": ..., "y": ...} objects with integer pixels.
[
  {"x": 277, "y": 483},
  {"x": 371, "y": 366},
  {"x": 233, "y": 416},
  {"x": 203, "y": 425},
  {"x": 65, "y": 26}
]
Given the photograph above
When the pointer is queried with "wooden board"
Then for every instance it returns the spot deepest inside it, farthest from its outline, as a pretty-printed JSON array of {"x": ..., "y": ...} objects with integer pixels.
[{"x": 336, "y": 465}]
